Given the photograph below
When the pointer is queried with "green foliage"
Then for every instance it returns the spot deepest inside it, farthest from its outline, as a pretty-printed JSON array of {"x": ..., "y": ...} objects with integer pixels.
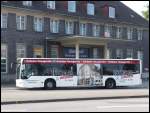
[{"x": 146, "y": 13}]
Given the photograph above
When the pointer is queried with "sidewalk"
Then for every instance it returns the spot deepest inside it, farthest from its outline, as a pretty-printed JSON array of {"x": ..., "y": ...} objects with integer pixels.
[{"x": 10, "y": 94}]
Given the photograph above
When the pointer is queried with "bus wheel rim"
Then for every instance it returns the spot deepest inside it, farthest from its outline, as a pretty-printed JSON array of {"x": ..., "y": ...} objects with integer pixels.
[
  {"x": 110, "y": 84},
  {"x": 49, "y": 84}
]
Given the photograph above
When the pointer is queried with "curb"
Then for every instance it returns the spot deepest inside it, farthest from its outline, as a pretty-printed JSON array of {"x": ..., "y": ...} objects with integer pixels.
[{"x": 71, "y": 99}]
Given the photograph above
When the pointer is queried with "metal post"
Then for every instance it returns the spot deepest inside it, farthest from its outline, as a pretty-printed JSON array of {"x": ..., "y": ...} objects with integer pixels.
[{"x": 77, "y": 50}]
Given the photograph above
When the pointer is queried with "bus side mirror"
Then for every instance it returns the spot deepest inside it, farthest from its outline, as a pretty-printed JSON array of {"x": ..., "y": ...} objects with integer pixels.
[{"x": 23, "y": 77}]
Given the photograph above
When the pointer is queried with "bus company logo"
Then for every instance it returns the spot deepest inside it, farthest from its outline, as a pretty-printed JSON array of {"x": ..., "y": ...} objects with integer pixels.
[
  {"x": 127, "y": 74},
  {"x": 123, "y": 74}
]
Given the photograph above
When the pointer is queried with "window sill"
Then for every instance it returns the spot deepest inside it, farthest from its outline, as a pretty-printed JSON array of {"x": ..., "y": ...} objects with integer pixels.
[
  {"x": 38, "y": 31},
  {"x": 20, "y": 30},
  {"x": 4, "y": 28}
]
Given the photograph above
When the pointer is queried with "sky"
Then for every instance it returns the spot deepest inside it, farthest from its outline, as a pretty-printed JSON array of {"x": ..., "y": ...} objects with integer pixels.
[{"x": 137, "y": 6}]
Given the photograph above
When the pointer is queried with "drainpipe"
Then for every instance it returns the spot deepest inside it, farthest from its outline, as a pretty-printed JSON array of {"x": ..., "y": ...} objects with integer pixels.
[{"x": 46, "y": 46}]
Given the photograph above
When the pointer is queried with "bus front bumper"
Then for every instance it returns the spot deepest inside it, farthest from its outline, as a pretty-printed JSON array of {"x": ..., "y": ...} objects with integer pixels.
[{"x": 28, "y": 83}]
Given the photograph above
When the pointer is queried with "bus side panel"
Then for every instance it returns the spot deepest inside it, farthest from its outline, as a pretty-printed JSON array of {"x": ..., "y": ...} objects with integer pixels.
[
  {"x": 66, "y": 81},
  {"x": 123, "y": 80}
]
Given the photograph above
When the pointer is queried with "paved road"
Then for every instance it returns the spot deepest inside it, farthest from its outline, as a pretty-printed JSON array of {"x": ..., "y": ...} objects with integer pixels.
[
  {"x": 112, "y": 105},
  {"x": 14, "y": 94}
]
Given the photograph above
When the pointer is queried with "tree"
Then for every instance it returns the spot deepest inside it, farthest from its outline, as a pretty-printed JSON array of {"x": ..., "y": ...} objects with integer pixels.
[{"x": 146, "y": 13}]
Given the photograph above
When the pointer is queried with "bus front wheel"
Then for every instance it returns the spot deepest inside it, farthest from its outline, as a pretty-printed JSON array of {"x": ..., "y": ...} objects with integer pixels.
[
  {"x": 50, "y": 84},
  {"x": 110, "y": 84}
]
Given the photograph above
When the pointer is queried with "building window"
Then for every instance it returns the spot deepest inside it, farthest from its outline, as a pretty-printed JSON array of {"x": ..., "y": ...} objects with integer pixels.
[
  {"x": 111, "y": 12},
  {"x": 72, "y": 6},
  {"x": 21, "y": 22},
  {"x": 96, "y": 30},
  {"x": 21, "y": 50},
  {"x": 119, "y": 53},
  {"x": 38, "y": 24},
  {"x": 96, "y": 53},
  {"x": 140, "y": 55},
  {"x": 27, "y": 3},
  {"x": 90, "y": 9},
  {"x": 54, "y": 26},
  {"x": 69, "y": 27},
  {"x": 37, "y": 51},
  {"x": 3, "y": 20},
  {"x": 54, "y": 51},
  {"x": 129, "y": 53},
  {"x": 51, "y": 4},
  {"x": 140, "y": 34},
  {"x": 130, "y": 33},
  {"x": 119, "y": 32},
  {"x": 83, "y": 29},
  {"x": 109, "y": 54},
  {"x": 3, "y": 58},
  {"x": 108, "y": 29}
]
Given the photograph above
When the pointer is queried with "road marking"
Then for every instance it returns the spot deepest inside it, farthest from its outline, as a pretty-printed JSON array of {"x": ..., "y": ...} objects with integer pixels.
[{"x": 122, "y": 106}]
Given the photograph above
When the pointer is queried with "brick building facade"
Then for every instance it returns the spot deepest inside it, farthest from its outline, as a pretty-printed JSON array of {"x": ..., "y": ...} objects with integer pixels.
[{"x": 70, "y": 29}]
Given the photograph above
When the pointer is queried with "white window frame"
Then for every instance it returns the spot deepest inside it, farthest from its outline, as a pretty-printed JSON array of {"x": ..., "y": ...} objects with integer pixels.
[
  {"x": 96, "y": 30},
  {"x": 129, "y": 53},
  {"x": 130, "y": 33},
  {"x": 72, "y": 6},
  {"x": 4, "y": 17},
  {"x": 51, "y": 4},
  {"x": 27, "y": 3},
  {"x": 119, "y": 53},
  {"x": 83, "y": 29},
  {"x": 90, "y": 9},
  {"x": 20, "y": 47},
  {"x": 4, "y": 57},
  {"x": 69, "y": 27},
  {"x": 21, "y": 22},
  {"x": 108, "y": 29},
  {"x": 140, "y": 55},
  {"x": 54, "y": 25},
  {"x": 38, "y": 24},
  {"x": 140, "y": 34},
  {"x": 119, "y": 32},
  {"x": 111, "y": 12}
]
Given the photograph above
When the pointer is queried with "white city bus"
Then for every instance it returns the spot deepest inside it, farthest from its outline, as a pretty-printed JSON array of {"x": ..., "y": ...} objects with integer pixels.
[{"x": 51, "y": 73}]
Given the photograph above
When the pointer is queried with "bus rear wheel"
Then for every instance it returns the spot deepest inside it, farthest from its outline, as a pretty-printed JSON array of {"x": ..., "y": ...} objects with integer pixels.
[
  {"x": 110, "y": 84},
  {"x": 49, "y": 84}
]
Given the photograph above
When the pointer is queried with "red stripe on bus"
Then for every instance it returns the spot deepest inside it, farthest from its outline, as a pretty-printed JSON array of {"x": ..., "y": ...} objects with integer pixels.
[{"x": 47, "y": 61}]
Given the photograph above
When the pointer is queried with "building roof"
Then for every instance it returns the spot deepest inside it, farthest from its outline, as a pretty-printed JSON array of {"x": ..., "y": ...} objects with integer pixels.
[
  {"x": 123, "y": 13},
  {"x": 126, "y": 14}
]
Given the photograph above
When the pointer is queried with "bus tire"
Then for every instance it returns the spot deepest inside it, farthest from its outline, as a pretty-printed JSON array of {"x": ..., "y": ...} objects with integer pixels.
[
  {"x": 50, "y": 84},
  {"x": 110, "y": 84}
]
